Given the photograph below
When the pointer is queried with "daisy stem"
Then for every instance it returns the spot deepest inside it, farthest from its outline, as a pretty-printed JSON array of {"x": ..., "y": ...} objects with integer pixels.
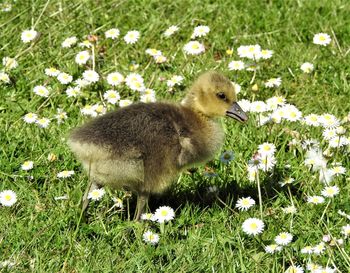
[
  {"x": 162, "y": 228},
  {"x": 324, "y": 211},
  {"x": 253, "y": 78},
  {"x": 93, "y": 57},
  {"x": 259, "y": 193}
]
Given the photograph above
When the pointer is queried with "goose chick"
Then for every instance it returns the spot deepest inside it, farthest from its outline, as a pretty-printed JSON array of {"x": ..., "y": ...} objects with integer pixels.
[{"x": 144, "y": 146}]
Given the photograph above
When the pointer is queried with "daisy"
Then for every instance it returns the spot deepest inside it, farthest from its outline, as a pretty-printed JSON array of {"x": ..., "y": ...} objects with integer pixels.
[
  {"x": 245, "y": 203},
  {"x": 112, "y": 33},
  {"x": 307, "y": 67},
  {"x": 291, "y": 113},
  {"x": 124, "y": 103},
  {"x": 330, "y": 191},
  {"x": 64, "y": 78},
  {"x": 194, "y": 48},
  {"x": 174, "y": 80},
  {"x": 289, "y": 210},
  {"x": 86, "y": 44},
  {"x": 150, "y": 237},
  {"x": 322, "y": 39},
  {"x": 200, "y": 31},
  {"x": 111, "y": 96},
  {"x": 164, "y": 214},
  {"x": 273, "y": 82},
  {"x": 69, "y": 42},
  {"x": 147, "y": 217},
  {"x": 159, "y": 59},
  {"x": 329, "y": 133},
  {"x": 307, "y": 250},
  {"x": 30, "y": 118},
  {"x": 73, "y": 91},
  {"x": 312, "y": 120},
  {"x": 325, "y": 270},
  {"x": 153, "y": 52},
  {"x": 99, "y": 108},
  {"x": 9, "y": 63},
  {"x": 52, "y": 72},
  {"x": 287, "y": 181},
  {"x": 319, "y": 248},
  {"x": 315, "y": 199},
  {"x": 265, "y": 54},
  {"x": 60, "y": 116},
  {"x": 337, "y": 170},
  {"x": 118, "y": 202},
  {"x": 273, "y": 102},
  {"x": 6, "y": 7},
  {"x": 249, "y": 51},
  {"x": 329, "y": 121},
  {"x": 266, "y": 163},
  {"x": 115, "y": 78},
  {"x": 284, "y": 238},
  {"x": 81, "y": 83},
  {"x": 148, "y": 98},
  {"x": 245, "y": 105},
  {"x": 82, "y": 57},
  {"x": 314, "y": 158},
  {"x": 294, "y": 269},
  {"x": 41, "y": 91},
  {"x": 313, "y": 267},
  {"x": 28, "y": 35},
  {"x": 96, "y": 194},
  {"x": 258, "y": 106},
  {"x": 43, "y": 122},
  {"x": 340, "y": 130},
  {"x": 236, "y": 65},
  {"x": 226, "y": 157},
  {"x": 273, "y": 248},
  {"x": 131, "y": 37},
  {"x": 253, "y": 226},
  {"x": 266, "y": 149},
  {"x": 65, "y": 174},
  {"x": 346, "y": 230},
  {"x": 8, "y": 198},
  {"x": 27, "y": 165},
  {"x": 237, "y": 87},
  {"x": 338, "y": 142},
  {"x": 89, "y": 110},
  {"x": 91, "y": 76},
  {"x": 170, "y": 31},
  {"x": 4, "y": 77},
  {"x": 252, "y": 173}
]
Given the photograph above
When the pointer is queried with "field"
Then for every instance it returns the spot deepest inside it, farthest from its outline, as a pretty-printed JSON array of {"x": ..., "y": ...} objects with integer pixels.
[{"x": 299, "y": 179}]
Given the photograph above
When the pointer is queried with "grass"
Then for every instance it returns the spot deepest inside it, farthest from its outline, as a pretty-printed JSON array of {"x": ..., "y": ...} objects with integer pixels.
[{"x": 40, "y": 234}]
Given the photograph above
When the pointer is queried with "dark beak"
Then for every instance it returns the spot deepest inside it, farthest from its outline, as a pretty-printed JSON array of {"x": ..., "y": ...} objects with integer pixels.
[{"x": 237, "y": 113}]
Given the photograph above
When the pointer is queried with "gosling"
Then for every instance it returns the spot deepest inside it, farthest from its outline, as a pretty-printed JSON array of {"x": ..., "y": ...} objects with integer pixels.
[{"x": 144, "y": 146}]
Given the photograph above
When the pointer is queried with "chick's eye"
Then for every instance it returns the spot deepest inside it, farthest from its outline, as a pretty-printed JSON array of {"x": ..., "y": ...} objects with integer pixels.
[{"x": 221, "y": 96}]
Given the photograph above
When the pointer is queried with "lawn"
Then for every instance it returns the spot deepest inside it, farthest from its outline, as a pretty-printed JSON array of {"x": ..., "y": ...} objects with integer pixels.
[{"x": 300, "y": 182}]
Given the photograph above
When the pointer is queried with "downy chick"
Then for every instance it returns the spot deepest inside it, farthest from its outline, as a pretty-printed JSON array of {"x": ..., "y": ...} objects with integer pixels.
[{"x": 144, "y": 146}]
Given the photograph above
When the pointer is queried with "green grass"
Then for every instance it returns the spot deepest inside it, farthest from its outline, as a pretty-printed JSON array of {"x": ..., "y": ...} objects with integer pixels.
[{"x": 40, "y": 234}]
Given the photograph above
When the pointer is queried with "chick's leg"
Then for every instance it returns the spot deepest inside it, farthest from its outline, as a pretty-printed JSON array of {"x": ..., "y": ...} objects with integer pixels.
[{"x": 142, "y": 201}]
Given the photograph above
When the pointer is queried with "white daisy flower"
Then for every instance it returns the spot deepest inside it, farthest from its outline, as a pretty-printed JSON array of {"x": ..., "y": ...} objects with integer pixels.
[
  {"x": 330, "y": 191},
  {"x": 64, "y": 78},
  {"x": 252, "y": 173},
  {"x": 236, "y": 65},
  {"x": 60, "y": 116},
  {"x": 86, "y": 44},
  {"x": 30, "y": 118},
  {"x": 147, "y": 217},
  {"x": 73, "y": 92},
  {"x": 314, "y": 158},
  {"x": 338, "y": 142},
  {"x": 52, "y": 72},
  {"x": 273, "y": 102},
  {"x": 313, "y": 267},
  {"x": 325, "y": 270},
  {"x": 273, "y": 82},
  {"x": 237, "y": 87},
  {"x": 91, "y": 76},
  {"x": 312, "y": 120},
  {"x": 28, "y": 35},
  {"x": 266, "y": 149},
  {"x": 307, "y": 250},
  {"x": 265, "y": 54},
  {"x": 118, "y": 202},
  {"x": 194, "y": 48},
  {"x": 329, "y": 133},
  {"x": 340, "y": 130},
  {"x": 99, "y": 108},
  {"x": 115, "y": 78},
  {"x": 319, "y": 248},
  {"x": 322, "y": 39},
  {"x": 294, "y": 269},
  {"x": 153, "y": 52},
  {"x": 258, "y": 106},
  {"x": 290, "y": 210},
  {"x": 65, "y": 174},
  {"x": 253, "y": 226},
  {"x": 250, "y": 51},
  {"x": 9, "y": 63},
  {"x": 124, "y": 103},
  {"x": 170, "y": 31},
  {"x": 27, "y": 165},
  {"x": 245, "y": 105},
  {"x": 131, "y": 37},
  {"x": 112, "y": 33},
  {"x": 307, "y": 67},
  {"x": 315, "y": 199},
  {"x": 43, "y": 122},
  {"x": 111, "y": 96},
  {"x": 82, "y": 57},
  {"x": 329, "y": 121},
  {"x": 284, "y": 238},
  {"x": 89, "y": 110},
  {"x": 174, "y": 80},
  {"x": 4, "y": 77},
  {"x": 81, "y": 83},
  {"x": 96, "y": 194},
  {"x": 41, "y": 91},
  {"x": 291, "y": 113},
  {"x": 200, "y": 31},
  {"x": 272, "y": 248},
  {"x": 266, "y": 162},
  {"x": 148, "y": 98},
  {"x": 70, "y": 41},
  {"x": 346, "y": 230},
  {"x": 150, "y": 237},
  {"x": 337, "y": 170},
  {"x": 6, "y": 7},
  {"x": 164, "y": 214},
  {"x": 135, "y": 82},
  {"x": 245, "y": 203},
  {"x": 159, "y": 59},
  {"x": 8, "y": 198},
  {"x": 287, "y": 181}
]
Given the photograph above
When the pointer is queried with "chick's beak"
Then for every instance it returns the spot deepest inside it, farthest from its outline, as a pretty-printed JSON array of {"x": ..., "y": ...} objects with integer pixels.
[{"x": 237, "y": 113}]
